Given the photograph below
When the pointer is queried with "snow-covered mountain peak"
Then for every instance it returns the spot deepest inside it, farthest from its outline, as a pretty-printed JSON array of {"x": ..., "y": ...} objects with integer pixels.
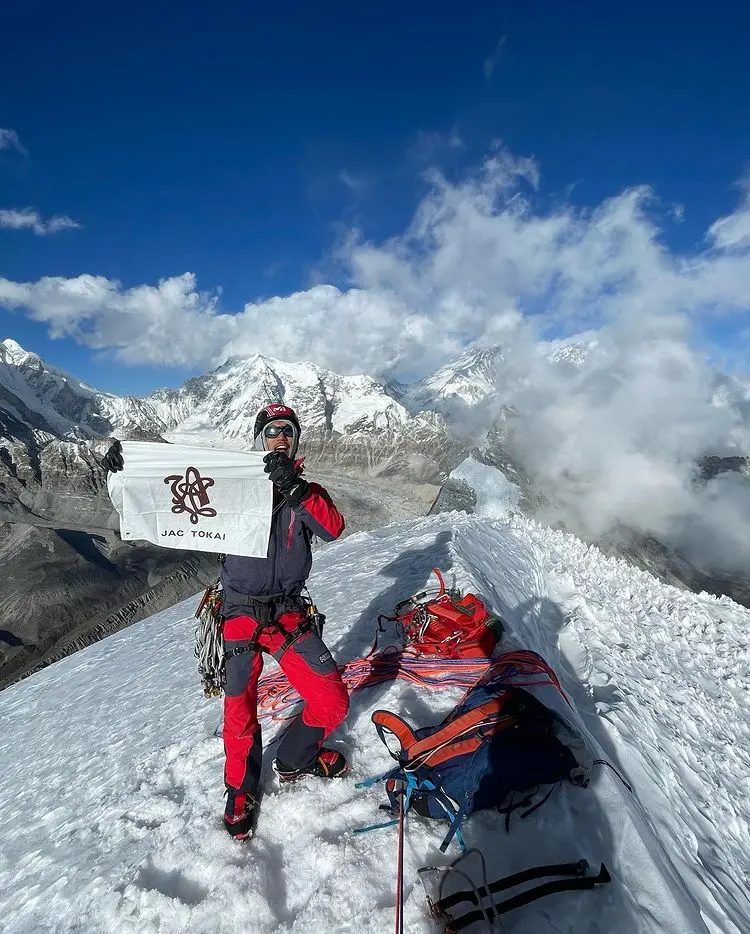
[
  {"x": 465, "y": 381},
  {"x": 12, "y": 352},
  {"x": 46, "y": 399},
  {"x": 229, "y": 397},
  {"x": 572, "y": 350},
  {"x": 226, "y": 399}
]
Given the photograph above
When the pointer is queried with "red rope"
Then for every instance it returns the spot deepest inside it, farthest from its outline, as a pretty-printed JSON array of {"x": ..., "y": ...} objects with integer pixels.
[{"x": 277, "y": 698}]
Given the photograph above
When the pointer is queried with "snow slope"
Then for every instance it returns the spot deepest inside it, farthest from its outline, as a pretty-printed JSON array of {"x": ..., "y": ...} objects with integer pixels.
[
  {"x": 110, "y": 772},
  {"x": 468, "y": 380}
]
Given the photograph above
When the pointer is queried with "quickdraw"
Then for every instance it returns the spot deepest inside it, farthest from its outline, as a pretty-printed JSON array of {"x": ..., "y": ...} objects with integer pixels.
[{"x": 209, "y": 641}]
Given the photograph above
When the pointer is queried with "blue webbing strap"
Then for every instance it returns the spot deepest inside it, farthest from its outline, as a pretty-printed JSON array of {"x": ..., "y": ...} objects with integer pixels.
[{"x": 390, "y": 823}]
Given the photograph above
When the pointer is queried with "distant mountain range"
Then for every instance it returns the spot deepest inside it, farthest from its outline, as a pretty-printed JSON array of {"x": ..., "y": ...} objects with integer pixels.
[
  {"x": 67, "y": 576},
  {"x": 383, "y": 448}
]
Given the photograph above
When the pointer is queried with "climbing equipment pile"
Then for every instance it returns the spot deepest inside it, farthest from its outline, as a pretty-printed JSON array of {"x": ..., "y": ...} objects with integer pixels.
[{"x": 447, "y": 623}]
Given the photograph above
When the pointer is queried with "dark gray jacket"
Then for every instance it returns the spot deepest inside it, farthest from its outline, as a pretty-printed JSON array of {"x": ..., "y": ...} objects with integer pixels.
[{"x": 286, "y": 569}]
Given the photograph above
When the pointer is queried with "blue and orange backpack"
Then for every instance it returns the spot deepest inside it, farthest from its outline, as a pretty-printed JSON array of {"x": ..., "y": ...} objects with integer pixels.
[{"x": 501, "y": 747}]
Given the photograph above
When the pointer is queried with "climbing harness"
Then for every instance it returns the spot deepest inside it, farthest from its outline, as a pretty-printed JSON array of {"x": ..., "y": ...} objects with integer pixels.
[{"x": 210, "y": 649}]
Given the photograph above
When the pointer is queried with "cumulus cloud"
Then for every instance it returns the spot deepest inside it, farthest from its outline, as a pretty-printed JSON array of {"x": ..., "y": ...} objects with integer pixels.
[
  {"x": 613, "y": 437},
  {"x": 9, "y": 140},
  {"x": 477, "y": 262},
  {"x": 163, "y": 324},
  {"x": 28, "y": 219}
]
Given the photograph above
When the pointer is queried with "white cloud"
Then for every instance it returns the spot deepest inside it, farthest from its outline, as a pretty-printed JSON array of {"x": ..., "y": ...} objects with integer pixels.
[
  {"x": 29, "y": 219},
  {"x": 164, "y": 324},
  {"x": 733, "y": 232},
  {"x": 9, "y": 140},
  {"x": 613, "y": 440},
  {"x": 476, "y": 262},
  {"x": 355, "y": 183},
  {"x": 490, "y": 63}
]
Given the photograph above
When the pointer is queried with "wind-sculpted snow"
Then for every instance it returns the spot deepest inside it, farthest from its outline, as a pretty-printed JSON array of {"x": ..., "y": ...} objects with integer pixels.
[
  {"x": 669, "y": 673},
  {"x": 110, "y": 769}
]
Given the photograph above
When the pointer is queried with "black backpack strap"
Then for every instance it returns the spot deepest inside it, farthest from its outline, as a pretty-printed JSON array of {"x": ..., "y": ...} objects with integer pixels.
[
  {"x": 577, "y": 868},
  {"x": 526, "y": 802},
  {"x": 577, "y": 883}
]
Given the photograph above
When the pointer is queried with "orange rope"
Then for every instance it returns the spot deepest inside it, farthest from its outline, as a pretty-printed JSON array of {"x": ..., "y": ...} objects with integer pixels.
[{"x": 277, "y": 698}]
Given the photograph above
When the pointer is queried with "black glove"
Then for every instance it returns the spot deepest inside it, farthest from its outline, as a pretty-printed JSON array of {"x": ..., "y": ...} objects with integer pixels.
[
  {"x": 283, "y": 474},
  {"x": 113, "y": 459}
]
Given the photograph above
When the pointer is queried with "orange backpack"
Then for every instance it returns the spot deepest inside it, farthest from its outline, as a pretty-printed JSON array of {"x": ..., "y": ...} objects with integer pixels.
[{"x": 447, "y": 624}]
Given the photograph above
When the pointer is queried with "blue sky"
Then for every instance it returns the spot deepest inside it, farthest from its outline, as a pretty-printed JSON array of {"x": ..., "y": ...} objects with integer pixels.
[{"x": 239, "y": 141}]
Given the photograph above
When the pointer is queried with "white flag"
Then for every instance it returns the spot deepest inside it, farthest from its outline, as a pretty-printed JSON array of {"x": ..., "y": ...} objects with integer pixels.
[{"x": 201, "y": 499}]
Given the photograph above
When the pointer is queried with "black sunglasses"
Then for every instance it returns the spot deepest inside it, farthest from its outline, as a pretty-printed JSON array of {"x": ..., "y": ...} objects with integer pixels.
[{"x": 273, "y": 431}]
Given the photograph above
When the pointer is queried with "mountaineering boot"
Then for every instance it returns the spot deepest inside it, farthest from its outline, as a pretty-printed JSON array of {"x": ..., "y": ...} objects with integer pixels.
[
  {"x": 329, "y": 763},
  {"x": 240, "y": 814}
]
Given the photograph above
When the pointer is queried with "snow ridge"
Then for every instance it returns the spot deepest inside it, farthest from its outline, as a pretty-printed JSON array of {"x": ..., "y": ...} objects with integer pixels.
[{"x": 125, "y": 799}]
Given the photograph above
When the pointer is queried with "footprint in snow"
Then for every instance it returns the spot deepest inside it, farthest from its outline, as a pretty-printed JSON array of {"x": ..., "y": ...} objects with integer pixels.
[{"x": 171, "y": 883}]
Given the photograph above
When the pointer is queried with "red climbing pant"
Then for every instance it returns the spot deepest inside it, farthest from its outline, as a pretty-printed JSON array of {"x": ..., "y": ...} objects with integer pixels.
[{"x": 311, "y": 670}]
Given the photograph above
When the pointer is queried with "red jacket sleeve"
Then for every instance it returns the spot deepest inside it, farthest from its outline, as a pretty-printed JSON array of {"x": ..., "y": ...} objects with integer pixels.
[{"x": 318, "y": 512}]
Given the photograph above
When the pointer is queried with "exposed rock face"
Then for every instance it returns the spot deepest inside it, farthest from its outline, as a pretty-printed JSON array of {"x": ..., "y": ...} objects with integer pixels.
[
  {"x": 68, "y": 579},
  {"x": 64, "y": 588},
  {"x": 421, "y": 452},
  {"x": 383, "y": 450},
  {"x": 44, "y": 399},
  {"x": 455, "y": 495},
  {"x": 711, "y": 467},
  {"x": 60, "y": 483},
  {"x": 673, "y": 568}
]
